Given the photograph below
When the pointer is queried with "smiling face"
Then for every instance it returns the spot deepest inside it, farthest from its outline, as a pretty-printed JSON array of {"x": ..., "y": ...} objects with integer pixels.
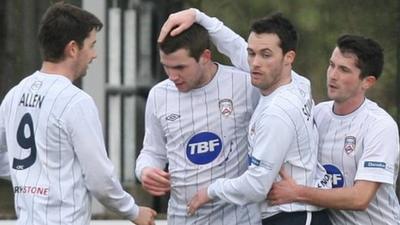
[
  {"x": 269, "y": 67},
  {"x": 183, "y": 70}
]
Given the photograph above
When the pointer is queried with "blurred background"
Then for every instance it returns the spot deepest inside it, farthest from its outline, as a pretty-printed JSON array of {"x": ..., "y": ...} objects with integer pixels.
[{"x": 128, "y": 63}]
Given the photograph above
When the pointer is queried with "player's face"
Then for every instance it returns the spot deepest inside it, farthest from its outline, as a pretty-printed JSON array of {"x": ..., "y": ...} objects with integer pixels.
[
  {"x": 266, "y": 61},
  {"x": 343, "y": 78},
  {"x": 86, "y": 54},
  {"x": 183, "y": 70}
]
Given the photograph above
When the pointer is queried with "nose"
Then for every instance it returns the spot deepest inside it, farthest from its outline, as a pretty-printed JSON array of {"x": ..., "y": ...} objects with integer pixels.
[
  {"x": 332, "y": 73},
  {"x": 94, "y": 54},
  {"x": 254, "y": 61},
  {"x": 172, "y": 74}
]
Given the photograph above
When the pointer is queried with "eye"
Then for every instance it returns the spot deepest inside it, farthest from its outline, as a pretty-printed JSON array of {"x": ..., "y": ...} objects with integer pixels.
[
  {"x": 250, "y": 53},
  {"x": 266, "y": 55}
]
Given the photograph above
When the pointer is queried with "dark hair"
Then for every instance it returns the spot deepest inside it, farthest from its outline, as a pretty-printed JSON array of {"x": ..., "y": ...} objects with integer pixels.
[
  {"x": 369, "y": 53},
  {"x": 61, "y": 24},
  {"x": 195, "y": 39},
  {"x": 279, "y": 25}
]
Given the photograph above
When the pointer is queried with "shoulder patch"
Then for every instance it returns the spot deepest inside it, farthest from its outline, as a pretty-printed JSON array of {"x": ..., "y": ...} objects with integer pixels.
[{"x": 373, "y": 164}]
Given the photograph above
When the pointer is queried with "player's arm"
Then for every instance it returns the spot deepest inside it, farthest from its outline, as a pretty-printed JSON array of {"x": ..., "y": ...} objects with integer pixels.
[
  {"x": 375, "y": 168},
  {"x": 269, "y": 153},
  {"x": 4, "y": 162},
  {"x": 152, "y": 158},
  {"x": 85, "y": 132},
  {"x": 356, "y": 197},
  {"x": 227, "y": 42}
]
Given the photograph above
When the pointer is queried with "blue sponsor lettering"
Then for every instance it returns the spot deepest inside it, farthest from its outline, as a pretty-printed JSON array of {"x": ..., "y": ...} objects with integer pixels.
[
  {"x": 336, "y": 175},
  {"x": 203, "y": 148}
]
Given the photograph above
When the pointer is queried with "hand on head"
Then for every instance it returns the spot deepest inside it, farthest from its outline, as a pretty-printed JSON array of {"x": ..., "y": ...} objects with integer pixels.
[{"x": 176, "y": 23}]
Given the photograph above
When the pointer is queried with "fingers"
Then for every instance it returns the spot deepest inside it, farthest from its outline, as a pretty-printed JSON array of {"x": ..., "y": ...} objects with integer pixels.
[
  {"x": 165, "y": 29},
  {"x": 192, "y": 207},
  {"x": 146, "y": 216},
  {"x": 156, "y": 181},
  {"x": 176, "y": 23},
  {"x": 284, "y": 175},
  {"x": 197, "y": 201}
]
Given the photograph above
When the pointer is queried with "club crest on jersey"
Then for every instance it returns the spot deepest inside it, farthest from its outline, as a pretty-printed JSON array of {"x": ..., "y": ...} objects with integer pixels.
[
  {"x": 349, "y": 144},
  {"x": 226, "y": 107},
  {"x": 335, "y": 174},
  {"x": 203, "y": 148}
]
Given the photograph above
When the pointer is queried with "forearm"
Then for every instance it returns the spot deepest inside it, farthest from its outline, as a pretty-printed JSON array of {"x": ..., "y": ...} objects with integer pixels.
[
  {"x": 348, "y": 198},
  {"x": 227, "y": 41},
  {"x": 250, "y": 187}
]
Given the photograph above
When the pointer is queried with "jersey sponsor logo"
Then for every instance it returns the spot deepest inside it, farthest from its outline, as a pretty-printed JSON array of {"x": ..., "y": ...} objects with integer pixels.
[
  {"x": 226, "y": 107},
  {"x": 31, "y": 190},
  {"x": 203, "y": 148},
  {"x": 372, "y": 164},
  {"x": 349, "y": 144},
  {"x": 324, "y": 182},
  {"x": 336, "y": 176},
  {"x": 172, "y": 117}
]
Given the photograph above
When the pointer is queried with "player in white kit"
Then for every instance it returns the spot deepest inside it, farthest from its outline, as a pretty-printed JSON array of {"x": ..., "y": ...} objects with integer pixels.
[
  {"x": 196, "y": 121},
  {"x": 359, "y": 142},
  {"x": 52, "y": 132},
  {"x": 284, "y": 99}
]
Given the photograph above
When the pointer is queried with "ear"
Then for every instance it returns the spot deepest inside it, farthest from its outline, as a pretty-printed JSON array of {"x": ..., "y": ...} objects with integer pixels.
[
  {"x": 205, "y": 57},
  {"x": 368, "y": 82},
  {"x": 289, "y": 57},
  {"x": 71, "y": 49}
]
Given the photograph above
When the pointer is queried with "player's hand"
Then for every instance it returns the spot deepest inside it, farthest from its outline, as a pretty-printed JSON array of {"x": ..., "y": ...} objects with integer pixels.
[
  {"x": 284, "y": 191},
  {"x": 146, "y": 216},
  {"x": 155, "y": 181},
  {"x": 197, "y": 201},
  {"x": 177, "y": 22}
]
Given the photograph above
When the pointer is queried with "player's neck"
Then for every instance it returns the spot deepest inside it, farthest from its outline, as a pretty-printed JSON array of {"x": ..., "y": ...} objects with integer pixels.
[
  {"x": 57, "y": 68},
  {"x": 209, "y": 72},
  {"x": 348, "y": 106}
]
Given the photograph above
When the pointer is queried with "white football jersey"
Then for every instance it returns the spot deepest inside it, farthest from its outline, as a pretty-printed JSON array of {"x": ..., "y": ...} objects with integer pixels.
[
  {"x": 202, "y": 135},
  {"x": 363, "y": 145},
  {"x": 235, "y": 47},
  {"x": 52, "y": 132},
  {"x": 281, "y": 134}
]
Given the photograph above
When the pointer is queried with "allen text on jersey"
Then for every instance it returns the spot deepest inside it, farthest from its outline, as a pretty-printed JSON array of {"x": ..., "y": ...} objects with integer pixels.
[{"x": 31, "y": 100}]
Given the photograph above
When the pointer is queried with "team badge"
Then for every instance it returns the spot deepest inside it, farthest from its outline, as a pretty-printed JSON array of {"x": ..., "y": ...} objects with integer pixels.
[
  {"x": 226, "y": 107},
  {"x": 349, "y": 144}
]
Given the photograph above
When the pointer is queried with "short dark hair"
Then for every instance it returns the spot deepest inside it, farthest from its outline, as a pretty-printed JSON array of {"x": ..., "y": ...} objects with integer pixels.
[
  {"x": 279, "y": 25},
  {"x": 195, "y": 39},
  {"x": 61, "y": 24},
  {"x": 369, "y": 53}
]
